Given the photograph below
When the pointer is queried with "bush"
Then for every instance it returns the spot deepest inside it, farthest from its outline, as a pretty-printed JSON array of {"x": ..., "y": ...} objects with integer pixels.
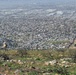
[
  {"x": 72, "y": 54},
  {"x": 61, "y": 70},
  {"x": 74, "y": 57},
  {"x": 38, "y": 59},
  {"x": 57, "y": 69},
  {"x": 22, "y": 52},
  {"x": 4, "y": 56},
  {"x": 33, "y": 73}
]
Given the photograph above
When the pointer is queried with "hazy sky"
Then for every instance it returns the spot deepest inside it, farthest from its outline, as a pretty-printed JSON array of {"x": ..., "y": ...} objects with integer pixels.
[{"x": 11, "y": 3}]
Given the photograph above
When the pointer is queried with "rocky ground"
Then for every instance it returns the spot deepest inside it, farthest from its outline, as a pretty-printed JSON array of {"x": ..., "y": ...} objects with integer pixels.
[{"x": 34, "y": 62}]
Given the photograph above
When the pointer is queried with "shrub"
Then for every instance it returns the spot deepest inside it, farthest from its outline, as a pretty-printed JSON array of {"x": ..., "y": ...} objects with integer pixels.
[
  {"x": 74, "y": 57},
  {"x": 22, "y": 52},
  {"x": 58, "y": 69},
  {"x": 4, "y": 56},
  {"x": 62, "y": 70},
  {"x": 72, "y": 54},
  {"x": 75, "y": 45},
  {"x": 33, "y": 73},
  {"x": 38, "y": 59}
]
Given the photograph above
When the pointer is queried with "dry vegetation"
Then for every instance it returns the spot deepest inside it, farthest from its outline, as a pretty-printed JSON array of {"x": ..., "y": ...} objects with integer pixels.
[{"x": 38, "y": 62}]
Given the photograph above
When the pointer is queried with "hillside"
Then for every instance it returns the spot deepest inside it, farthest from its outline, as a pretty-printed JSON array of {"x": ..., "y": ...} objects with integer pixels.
[{"x": 38, "y": 62}]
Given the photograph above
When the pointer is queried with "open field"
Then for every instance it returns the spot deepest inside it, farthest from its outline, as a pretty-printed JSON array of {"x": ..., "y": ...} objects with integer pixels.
[{"x": 38, "y": 62}]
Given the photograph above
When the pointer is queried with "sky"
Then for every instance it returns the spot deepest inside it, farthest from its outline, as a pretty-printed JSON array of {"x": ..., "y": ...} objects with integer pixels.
[{"x": 12, "y": 3}]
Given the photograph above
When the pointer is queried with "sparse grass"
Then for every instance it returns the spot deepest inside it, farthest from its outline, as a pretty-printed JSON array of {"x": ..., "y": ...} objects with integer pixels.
[
  {"x": 33, "y": 73},
  {"x": 36, "y": 59}
]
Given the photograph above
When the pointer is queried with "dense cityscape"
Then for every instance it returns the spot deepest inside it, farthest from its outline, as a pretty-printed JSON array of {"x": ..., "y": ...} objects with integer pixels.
[{"x": 38, "y": 27}]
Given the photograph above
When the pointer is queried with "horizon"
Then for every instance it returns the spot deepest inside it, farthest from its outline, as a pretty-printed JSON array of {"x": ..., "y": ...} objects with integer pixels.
[{"x": 13, "y": 3}]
